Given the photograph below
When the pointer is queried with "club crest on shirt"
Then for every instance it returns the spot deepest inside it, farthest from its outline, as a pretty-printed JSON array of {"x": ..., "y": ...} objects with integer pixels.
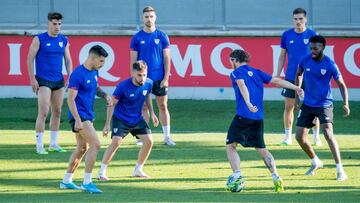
[
  {"x": 306, "y": 41},
  {"x": 156, "y": 41},
  {"x": 61, "y": 44},
  {"x": 250, "y": 73},
  {"x": 144, "y": 92},
  {"x": 323, "y": 71}
]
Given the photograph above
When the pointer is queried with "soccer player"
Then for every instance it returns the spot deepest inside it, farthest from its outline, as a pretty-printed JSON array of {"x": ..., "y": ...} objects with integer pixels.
[
  {"x": 247, "y": 125},
  {"x": 49, "y": 49},
  {"x": 129, "y": 98},
  {"x": 317, "y": 69},
  {"x": 294, "y": 44},
  {"x": 83, "y": 87},
  {"x": 152, "y": 46}
]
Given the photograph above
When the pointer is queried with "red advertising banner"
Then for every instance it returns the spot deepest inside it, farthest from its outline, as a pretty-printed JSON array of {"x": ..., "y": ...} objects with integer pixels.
[{"x": 196, "y": 61}]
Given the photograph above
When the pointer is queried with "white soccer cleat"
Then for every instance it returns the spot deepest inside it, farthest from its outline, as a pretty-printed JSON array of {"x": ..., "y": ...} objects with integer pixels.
[
  {"x": 139, "y": 174},
  {"x": 286, "y": 142},
  {"x": 314, "y": 168},
  {"x": 169, "y": 142},
  {"x": 341, "y": 176},
  {"x": 102, "y": 177}
]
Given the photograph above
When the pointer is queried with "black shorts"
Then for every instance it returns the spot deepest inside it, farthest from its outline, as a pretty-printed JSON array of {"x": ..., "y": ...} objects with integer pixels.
[
  {"x": 50, "y": 84},
  {"x": 247, "y": 132},
  {"x": 120, "y": 128},
  {"x": 72, "y": 123},
  {"x": 289, "y": 93},
  {"x": 157, "y": 90},
  {"x": 307, "y": 114}
]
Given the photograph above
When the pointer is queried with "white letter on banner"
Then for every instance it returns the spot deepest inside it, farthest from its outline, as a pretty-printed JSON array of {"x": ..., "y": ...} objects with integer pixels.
[
  {"x": 14, "y": 59},
  {"x": 349, "y": 59},
  {"x": 276, "y": 53},
  {"x": 193, "y": 55},
  {"x": 329, "y": 51},
  {"x": 215, "y": 57},
  {"x": 103, "y": 72}
]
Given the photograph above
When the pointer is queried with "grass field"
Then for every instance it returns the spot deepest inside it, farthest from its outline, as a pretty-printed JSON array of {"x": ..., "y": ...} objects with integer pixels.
[{"x": 193, "y": 171}]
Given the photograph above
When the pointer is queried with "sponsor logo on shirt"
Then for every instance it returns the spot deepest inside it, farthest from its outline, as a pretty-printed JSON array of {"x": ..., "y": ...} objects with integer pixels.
[
  {"x": 61, "y": 44},
  {"x": 144, "y": 92},
  {"x": 250, "y": 73},
  {"x": 307, "y": 69},
  {"x": 291, "y": 42},
  {"x": 306, "y": 41},
  {"x": 156, "y": 41},
  {"x": 323, "y": 71},
  {"x": 142, "y": 42},
  {"x": 88, "y": 81},
  {"x": 132, "y": 95},
  {"x": 48, "y": 44}
]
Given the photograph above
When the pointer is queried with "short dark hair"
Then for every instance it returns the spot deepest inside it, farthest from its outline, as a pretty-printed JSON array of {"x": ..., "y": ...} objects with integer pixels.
[
  {"x": 148, "y": 9},
  {"x": 318, "y": 39},
  {"x": 98, "y": 51},
  {"x": 240, "y": 55},
  {"x": 139, "y": 65},
  {"x": 54, "y": 15},
  {"x": 299, "y": 11}
]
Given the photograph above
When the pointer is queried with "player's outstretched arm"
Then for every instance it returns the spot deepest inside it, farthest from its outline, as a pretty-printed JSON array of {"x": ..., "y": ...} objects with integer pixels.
[
  {"x": 245, "y": 94},
  {"x": 345, "y": 95}
]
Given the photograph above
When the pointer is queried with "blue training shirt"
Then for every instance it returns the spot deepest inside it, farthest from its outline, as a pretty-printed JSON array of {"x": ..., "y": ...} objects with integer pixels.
[
  {"x": 254, "y": 80},
  {"x": 317, "y": 78},
  {"x": 297, "y": 45},
  {"x": 85, "y": 82},
  {"x": 131, "y": 100},
  {"x": 49, "y": 58},
  {"x": 150, "y": 48}
]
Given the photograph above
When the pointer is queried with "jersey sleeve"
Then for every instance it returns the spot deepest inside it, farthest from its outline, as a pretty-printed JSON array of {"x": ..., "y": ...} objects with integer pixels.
[
  {"x": 335, "y": 72},
  {"x": 165, "y": 41},
  {"x": 118, "y": 92},
  {"x": 74, "y": 81},
  {"x": 283, "y": 41},
  {"x": 134, "y": 44},
  {"x": 301, "y": 64},
  {"x": 266, "y": 78}
]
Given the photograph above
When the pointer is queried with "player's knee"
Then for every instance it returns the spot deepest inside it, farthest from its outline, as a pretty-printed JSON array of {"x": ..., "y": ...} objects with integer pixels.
[
  {"x": 163, "y": 107},
  {"x": 56, "y": 113},
  {"x": 289, "y": 107},
  {"x": 148, "y": 141},
  {"x": 300, "y": 138}
]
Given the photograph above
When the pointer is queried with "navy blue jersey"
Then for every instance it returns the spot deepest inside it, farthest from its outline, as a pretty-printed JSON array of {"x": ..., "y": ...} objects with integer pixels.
[
  {"x": 85, "y": 82},
  {"x": 49, "y": 58},
  {"x": 297, "y": 45},
  {"x": 131, "y": 100},
  {"x": 317, "y": 78},
  {"x": 254, "y": 80},
  {"x": 150, "y": 48}
]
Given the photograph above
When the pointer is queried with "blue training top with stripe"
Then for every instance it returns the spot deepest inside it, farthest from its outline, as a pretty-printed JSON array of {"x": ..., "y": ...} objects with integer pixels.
[
  {"x": 131, "y": 100},
  {"x": 317, "y": 78},
  {"x": 297, "y": 45},
  {"x": 85, "y": 82},
  {"x": 150, "y": 48},
  {"x": 49, "y": 58},
  {"x": 254, "y": 80}
]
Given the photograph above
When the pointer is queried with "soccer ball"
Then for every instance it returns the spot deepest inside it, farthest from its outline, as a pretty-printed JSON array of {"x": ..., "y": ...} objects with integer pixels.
[{"x": 235, "y": 185}]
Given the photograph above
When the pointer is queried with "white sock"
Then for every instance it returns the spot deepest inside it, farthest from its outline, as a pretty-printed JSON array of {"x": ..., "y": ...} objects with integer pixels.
[
  {"x": 103, "y": 168},
  {"x": 339, "y": 167},
  {"x": 87, "y": 178},
  {"x": 166, "y": 131},
  {"x": 53, "y": 138},
  {"x": 316, "y": 133},
  {"x": 139, "y": 166},
  {"x": 315, "y": 160},
  {"x": 39, "y": 140},
  {"x": 275, "y": 176},
  {"x": 67, "y": 178},
  {"x": 288, "y": 133}
]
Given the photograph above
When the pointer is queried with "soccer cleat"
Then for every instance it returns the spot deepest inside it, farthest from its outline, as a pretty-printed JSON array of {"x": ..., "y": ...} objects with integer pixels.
[
  {"x": 341, "y": 176},
  {"x": 317, "y": 142},
  {"x": 70, "y": 185},
  {"x": 286, "y": 142},
  {"x": 41, "y": 151},
  {"x": 90, "y": 188},
  {"x": 139, "y": 174},
  {"x": 139, "y": 143},
  {"x": 235, "y": 185},
  {"x": 313, "y": 169},
  {"x": 102, "y": 177},
  {"x": 169, "y": 142},
  {"x": 56, "y": 148},
  {"x": 279, "y": 185}
]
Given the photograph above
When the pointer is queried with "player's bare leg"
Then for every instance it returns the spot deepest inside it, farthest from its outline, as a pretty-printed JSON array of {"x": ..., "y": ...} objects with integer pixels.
[
  {"x": 288, "y": 117},
  {"x": 44, "y": 95},
  {"x": 57, "y": 98},
  {"x": 164, "y": 117},
  {"x": 143, "y": 155}
]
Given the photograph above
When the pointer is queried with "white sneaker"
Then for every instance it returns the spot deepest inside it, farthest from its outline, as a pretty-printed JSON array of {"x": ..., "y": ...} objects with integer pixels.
[
  {"x": 140, "y": 174},
  {"x": 169, "y": 142},
  {"x": 41, "y": 151},
  {"x": 139, "y": 143},
  {"x": 341, "y": 176},
  {"x": 102, "y": 177},
  {"x": 313, "y": 168},
  {"x": 286, "y": 142},
  {"x": 318, "y": 142}
]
